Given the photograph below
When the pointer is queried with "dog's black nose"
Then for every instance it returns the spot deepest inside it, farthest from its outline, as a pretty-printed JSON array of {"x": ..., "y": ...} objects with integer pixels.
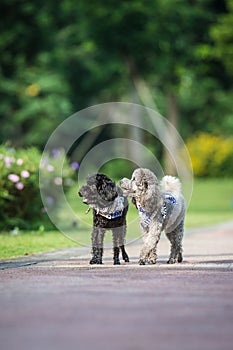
[{"x": 80, "y": 194}]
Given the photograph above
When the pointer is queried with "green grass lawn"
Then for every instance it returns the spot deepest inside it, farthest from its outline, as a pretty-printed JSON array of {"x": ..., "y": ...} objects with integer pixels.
[
  {"x": 26, "y": 243},
  {"x": 212, "y": 202}
]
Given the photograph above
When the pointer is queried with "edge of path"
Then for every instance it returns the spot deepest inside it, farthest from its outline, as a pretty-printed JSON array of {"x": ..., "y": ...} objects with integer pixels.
[{"x": 81, "y": 254}]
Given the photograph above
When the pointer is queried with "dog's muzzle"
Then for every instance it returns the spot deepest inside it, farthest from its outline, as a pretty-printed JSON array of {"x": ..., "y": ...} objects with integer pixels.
[
  {"x": 82, "y": 195},
  {"x": 125, "y": 184}
]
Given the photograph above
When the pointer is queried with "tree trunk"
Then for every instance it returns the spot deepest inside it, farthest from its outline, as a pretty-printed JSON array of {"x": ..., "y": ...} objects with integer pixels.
[
  {"x": 135, "y": 133},
  {"x": 171, "y": 137}
]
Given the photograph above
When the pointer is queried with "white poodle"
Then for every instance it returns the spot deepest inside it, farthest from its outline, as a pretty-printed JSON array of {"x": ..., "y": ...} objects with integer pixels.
[{"x": 159, "y": 209}]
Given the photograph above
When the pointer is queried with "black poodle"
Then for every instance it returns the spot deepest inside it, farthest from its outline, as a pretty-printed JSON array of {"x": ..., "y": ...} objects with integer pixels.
[{"x": 109, "y": 213}]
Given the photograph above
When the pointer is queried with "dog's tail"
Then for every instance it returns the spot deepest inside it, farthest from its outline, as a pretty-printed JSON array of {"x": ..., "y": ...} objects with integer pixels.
[{"x": 171, "y": 184}]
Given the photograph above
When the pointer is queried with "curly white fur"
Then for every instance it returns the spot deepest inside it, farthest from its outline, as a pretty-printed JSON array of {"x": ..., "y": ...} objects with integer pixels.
[
  {"x": 159, "y": 209},
  {"x": 171, "y": 183}
]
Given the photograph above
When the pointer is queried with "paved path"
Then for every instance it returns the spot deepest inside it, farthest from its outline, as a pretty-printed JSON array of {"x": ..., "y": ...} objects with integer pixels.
[{"x": 58, "y": 301}]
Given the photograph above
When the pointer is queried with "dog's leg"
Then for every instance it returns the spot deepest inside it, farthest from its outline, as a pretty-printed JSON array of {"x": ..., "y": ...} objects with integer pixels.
[
  {"x": 115, "y": 237},
  {"x": 144, "y": 250},
  {"x": 97, "y": 245},
  {"x": 118, "y": 242},
  {"x": 143, "y": 255},
  {"x": 152, "y": 256},
  {"x": 180, "y": 235},
  {"x": 97, "y": 254},
  {"x": 125, "y": 256},
  {"x": 121, "y": 233},
  {"x": 148, "y": 252},
  {"x": 116, "y": 260},
  {"x": 175, "y": 237}
]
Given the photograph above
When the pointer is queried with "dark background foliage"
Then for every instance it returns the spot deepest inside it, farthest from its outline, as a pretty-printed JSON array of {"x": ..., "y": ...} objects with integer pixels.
[{"x": 59, "y": 57}]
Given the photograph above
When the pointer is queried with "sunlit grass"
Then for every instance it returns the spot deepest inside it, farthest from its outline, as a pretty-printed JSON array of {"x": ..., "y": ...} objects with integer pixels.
[
  {"x": 30, "y": 242},
  {"x": 212, "y": 202}
]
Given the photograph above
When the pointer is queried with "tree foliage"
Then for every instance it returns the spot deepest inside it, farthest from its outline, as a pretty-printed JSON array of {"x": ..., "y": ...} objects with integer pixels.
[
  {"x": 34, "y": 94},
  {"x": 59, "y": 58},
  {"x": 222, "y": 34}
]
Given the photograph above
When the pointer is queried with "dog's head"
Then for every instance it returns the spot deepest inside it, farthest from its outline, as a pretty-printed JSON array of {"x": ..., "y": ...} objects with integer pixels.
[
  {"x": 140, "y": 182},
  {"x": 142, "y": 188},
  {"x": 98, "y": 191}
]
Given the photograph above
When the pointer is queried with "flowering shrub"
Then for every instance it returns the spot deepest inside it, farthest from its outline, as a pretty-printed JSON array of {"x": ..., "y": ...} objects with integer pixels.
[
  {"x": 51, "y": 179},
  {"x": 211, "y": 155},
  {"x": 20, "y": 199}
]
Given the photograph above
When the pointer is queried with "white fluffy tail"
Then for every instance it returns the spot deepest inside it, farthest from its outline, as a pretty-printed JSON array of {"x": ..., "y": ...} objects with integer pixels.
[{"x": 171, "y": 184}]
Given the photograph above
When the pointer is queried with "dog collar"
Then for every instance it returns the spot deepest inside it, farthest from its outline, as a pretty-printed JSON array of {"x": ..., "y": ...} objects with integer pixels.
[
  {"x": 115, "y": 215},
  {"x": 141, "y": 210},
  {"x": 114, "y": 210},
  {"x": 145, "y": 216}
]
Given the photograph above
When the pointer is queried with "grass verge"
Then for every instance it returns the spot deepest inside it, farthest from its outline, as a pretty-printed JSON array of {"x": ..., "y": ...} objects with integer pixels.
[
  {"x": 31, "y": 242},
  {"x": 211, "y": 203}
]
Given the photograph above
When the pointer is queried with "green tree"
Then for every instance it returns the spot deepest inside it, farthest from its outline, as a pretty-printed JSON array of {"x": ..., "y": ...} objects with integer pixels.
[
  {"x": 222, "y": 33},
  {"x": 205, "y": 92},
  {"x": 34, "y": 95},
  {"x": 59, "y": 59},
  {"x": 161, "y": 42}
]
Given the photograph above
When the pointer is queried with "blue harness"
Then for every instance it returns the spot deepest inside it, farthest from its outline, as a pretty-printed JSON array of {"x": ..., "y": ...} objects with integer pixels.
[
  {"x": 146, "y": 216},
  {"x": 115, "y": 215}
]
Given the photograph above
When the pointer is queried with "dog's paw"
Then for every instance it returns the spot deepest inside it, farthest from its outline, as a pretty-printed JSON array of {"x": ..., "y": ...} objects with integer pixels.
[
  {"x": 142, "y": 262},
  {"x": 95, "y": 261},
  {"x": 180, "y": 258},
  {"x": 116, "y": 262},
  {"x": 125, "y": 257},
  {"x": 124, "y": 254},
  {"x": 171, "y": 261},
  {"x": 152, "y": 261}
]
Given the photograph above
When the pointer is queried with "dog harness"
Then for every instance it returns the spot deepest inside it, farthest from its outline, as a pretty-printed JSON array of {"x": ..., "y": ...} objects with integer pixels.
[
  {"x": 114, "y": 210},
  {"x": 146, "y": 217}
]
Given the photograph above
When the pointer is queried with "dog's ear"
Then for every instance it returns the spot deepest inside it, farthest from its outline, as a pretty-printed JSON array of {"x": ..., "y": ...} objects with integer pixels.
[
  {"x": 99, "y": 178},
  {"x": 134, "y": 202},
  {"x": 110, "y": 185},
  {"x": 145, "y": 183}
]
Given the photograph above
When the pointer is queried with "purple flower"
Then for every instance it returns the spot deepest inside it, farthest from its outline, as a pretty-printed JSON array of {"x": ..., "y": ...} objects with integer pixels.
[
  {"x": 13, "y": 177},
  {"x": 25, "y": 174},
  {"x": 49, "y": 200},
  {"x": 19, "y": 186},
  {"x": 75, "y": 166},
  {"x": 56, "y": 152}
]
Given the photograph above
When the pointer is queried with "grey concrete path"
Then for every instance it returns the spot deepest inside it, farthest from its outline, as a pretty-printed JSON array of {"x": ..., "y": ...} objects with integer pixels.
[{"x": 58, "y": 301}]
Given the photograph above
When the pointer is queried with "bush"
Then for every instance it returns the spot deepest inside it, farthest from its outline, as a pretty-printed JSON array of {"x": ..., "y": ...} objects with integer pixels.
[
  {"x": 20, "y": 199},
  {"x": 211, "y": 155}
]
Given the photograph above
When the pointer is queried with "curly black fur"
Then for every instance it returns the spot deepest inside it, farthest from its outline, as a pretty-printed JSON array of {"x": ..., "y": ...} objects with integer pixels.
[{"x": 100, "y": 192}]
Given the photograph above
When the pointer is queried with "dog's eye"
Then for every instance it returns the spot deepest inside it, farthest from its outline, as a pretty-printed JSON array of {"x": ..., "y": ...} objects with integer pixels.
[{"x": 133, "y": 179}]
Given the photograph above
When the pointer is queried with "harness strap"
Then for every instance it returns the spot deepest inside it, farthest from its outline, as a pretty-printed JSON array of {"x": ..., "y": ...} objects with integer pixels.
[
  {"x": 115, "y": 215},
  {"x": 114, "y": 210},
  {"x": 147, "y": 217}
]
